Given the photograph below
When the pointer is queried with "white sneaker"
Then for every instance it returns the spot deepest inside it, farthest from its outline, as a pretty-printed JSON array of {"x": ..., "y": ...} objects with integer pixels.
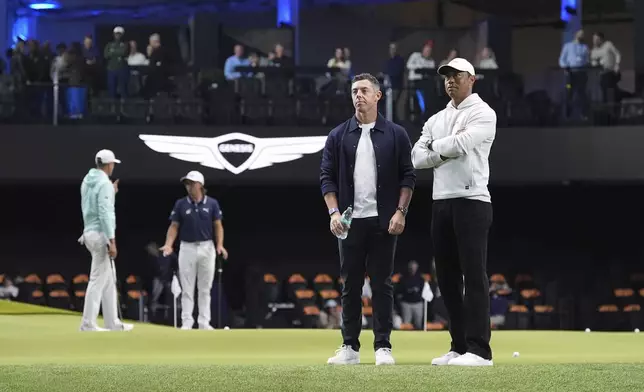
[
  {"x": 126, "y": 327},
  {"x": 207, "y": 327},
  {"x": 444, "y": 360},
  {"x": 85, "y": 328},
  {"x": 345, "y": 355},
  {"x": 121, "y": 327},
  {"x": 469, "y": 359},
  {"x": 186, "y": 327},
  {"x": 384, "y": 357}
]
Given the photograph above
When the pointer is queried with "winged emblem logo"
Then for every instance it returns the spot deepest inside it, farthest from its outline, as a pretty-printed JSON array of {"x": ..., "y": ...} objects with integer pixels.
[{"x": 209, "y": 151}]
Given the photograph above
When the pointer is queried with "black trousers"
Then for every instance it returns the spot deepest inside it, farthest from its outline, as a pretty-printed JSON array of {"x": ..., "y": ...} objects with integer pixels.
[
  {"x": 368, "y": 249},
  {"x": 460, "y": 234}
]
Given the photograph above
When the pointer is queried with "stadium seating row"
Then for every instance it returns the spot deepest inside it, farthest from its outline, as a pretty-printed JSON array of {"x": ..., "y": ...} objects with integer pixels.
[{"x": 54, "y": 291}]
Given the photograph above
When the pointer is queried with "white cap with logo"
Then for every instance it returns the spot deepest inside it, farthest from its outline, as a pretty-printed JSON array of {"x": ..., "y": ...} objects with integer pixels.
[
  {"x": 458, "y": 64},
  {"x": 119, "y": 30},
  {"x": 104, "y": 157},
  {"x": 194, "y": 176}
]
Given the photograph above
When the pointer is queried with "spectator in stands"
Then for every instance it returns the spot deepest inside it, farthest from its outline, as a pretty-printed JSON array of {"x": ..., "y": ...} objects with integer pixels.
[
  {"x": 488, "y": 59},
  {"x": 255, "y": 62},
  {"x": 34, "y": 64},
  {"x": 395, "y": 70},
  {"x": 47, "y": 55},
  {"x": 338, "y": 61},
  {"x": 605, "y": 55},
  {"x": 136, "y": 58},
  {"x": 8, "y": 290},
  {"x": 162, "y": 268},
  {"x": 18, "y": 66},
  {"x": 499, "y": 301},
  {"x": 117, "y": 71},
  {"x": 331, "y": 316},
  {"x": 159, "y": 70},
  {"x": 91, "y": 69},
  {"x": 76, "y": 91},
  {"x": 280, "y": 59},
  {"x": 410, "y": 296},
  {"x": 58, "y": 64},
  {"x": 573, "y": 59},
  {"x": 234, "y": 61},
  {"x": 420, "y": 60},
  {"x": 347, "y": 58},
  {"x": 451, "y": 56}
]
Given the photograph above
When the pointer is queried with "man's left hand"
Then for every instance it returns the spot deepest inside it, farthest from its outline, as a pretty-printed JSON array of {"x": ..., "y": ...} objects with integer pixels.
[
  {"x": 397, "y": 223},
  {"x": 223, "y": 252}
]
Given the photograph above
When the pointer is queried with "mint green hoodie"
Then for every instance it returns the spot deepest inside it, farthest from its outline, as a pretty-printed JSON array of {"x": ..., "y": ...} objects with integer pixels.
[{"x": 97, "y": 203}]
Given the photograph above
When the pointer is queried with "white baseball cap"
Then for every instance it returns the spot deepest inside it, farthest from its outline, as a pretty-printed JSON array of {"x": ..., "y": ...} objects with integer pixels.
[
  {"x": 194, "y": 176},
  {"x": 106, "y": 156},
  {"x": 458, "y": 64},
  {"x": 119, "y": 29}
]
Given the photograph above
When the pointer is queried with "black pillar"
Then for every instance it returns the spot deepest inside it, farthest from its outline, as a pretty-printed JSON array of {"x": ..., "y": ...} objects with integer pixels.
[
  {"x": 638, "y": 31},
  {"x": 499, "y": 39}
]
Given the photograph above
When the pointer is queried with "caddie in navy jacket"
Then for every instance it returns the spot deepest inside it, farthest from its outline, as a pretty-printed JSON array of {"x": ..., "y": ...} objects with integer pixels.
[{"x": 367, "y": 165}]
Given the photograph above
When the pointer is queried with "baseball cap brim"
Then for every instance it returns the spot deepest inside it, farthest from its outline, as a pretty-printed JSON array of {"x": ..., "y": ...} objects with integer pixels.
[
  {"x": 458, "y": 65},
  {"x": 445, "y": 69},
  {"x": 189, "y": 178}
]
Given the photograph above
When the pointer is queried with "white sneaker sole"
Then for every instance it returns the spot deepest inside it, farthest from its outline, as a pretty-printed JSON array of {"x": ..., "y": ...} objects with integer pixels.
[
  {"x": 385, "y": 363},
  {"x": 478, "y": 364},
  {"x": 351, "y": 362}
]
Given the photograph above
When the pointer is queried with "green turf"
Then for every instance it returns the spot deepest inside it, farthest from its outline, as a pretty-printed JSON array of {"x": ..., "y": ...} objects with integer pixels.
[{"x": 46, "y": 352}]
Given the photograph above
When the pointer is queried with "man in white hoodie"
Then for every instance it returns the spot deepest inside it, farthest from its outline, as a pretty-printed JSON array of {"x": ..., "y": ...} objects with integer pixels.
[
  {"x": 456, "y": 143},
  {"x": 97, "y": 203}
]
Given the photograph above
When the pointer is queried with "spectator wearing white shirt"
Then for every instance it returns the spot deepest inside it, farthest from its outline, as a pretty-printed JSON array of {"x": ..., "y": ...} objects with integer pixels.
[
  {"x": 451, "y": 56},
  {"x": 136, "y": 58},
  {"x": 8, "y": 290},
  {"x": 339, "y": 61},
  {"x": 605, "y": 55},
  {"x": 488, "y": 59},
  {"x": 420, "y": 60}
]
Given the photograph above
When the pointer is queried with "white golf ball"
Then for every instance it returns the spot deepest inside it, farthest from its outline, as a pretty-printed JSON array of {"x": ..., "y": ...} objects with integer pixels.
[
  {"x": 637, "y": 330},
  {"x": 515, "y": 354},
  {"x": 587, "y": 329},
  {"x": 226, "y": 328}
]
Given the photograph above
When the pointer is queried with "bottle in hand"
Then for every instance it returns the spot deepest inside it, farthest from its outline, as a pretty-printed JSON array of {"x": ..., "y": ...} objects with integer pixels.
[{"x": 346, "y": 220}]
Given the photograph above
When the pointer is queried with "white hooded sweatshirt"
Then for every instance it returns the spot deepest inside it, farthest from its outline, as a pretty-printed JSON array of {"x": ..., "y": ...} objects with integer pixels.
[{"x": 456, "y": 143}]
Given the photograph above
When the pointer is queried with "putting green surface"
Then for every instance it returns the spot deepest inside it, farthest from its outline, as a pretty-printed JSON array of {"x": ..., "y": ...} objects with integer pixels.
[{"x": 46, "y": 352}]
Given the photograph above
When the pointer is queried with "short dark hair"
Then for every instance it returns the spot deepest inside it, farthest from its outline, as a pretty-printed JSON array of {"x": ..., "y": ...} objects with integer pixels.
[
  {"x": 599, "y": 34},
  {"x": 369, "y": 77}
]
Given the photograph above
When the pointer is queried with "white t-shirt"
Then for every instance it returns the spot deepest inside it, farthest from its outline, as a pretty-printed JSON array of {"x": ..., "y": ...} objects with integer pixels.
[
  {"x": 365, "y": 176},
  {"x": 137, "y": 59}
]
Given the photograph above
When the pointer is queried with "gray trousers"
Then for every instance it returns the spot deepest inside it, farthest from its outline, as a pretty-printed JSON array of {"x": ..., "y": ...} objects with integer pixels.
[{"x": 412, "y": 313}]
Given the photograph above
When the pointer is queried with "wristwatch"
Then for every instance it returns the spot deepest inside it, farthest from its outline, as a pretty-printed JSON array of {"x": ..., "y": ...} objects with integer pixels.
[
  {"x": 333, "y": 211},
  {"x": 402, "y": 209}
]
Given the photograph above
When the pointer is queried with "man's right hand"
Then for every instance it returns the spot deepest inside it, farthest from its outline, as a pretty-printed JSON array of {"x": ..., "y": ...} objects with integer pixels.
[
  {"x": 166, "y": 249},
  {"x": 337, "y": 227},
  {"x": 112, "y": 250}
]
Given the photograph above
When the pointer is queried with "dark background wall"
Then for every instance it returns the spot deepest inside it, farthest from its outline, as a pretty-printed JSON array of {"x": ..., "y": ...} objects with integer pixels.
[{"x": 575, "y": 233}]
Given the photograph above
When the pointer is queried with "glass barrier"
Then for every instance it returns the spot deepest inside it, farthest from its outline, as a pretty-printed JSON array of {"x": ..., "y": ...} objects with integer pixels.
[{"x": 554, "y": 98}]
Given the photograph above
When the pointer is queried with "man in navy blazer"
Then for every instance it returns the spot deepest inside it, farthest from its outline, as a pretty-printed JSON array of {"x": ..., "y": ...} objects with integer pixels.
[{"x": 367, "y": 164}]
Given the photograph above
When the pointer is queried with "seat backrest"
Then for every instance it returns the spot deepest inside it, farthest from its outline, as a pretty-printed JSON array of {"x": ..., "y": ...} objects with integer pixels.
[
  {"x": 296, "y": 278},
  {"x": 33, "y": 278},
  {"x": 270, "y": 278},
  {"x": 81, "y": 278},
  {"x": 55, "y": 278},
  {"x": 322, "y": 278}
]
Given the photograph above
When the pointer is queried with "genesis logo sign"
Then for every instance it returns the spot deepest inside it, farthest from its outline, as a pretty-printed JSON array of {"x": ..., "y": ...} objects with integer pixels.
[{"x": 235, "y": 152}]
